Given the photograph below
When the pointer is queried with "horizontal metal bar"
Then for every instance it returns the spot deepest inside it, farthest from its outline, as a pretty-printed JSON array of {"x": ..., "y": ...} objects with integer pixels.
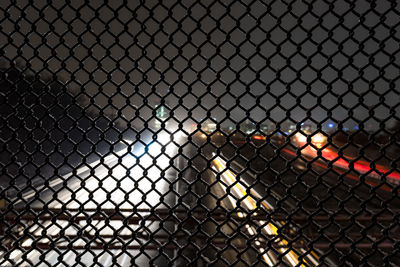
[
  {"x": 156, "y": 216},
  {"x": 179, "y": 235},
  {"x": 202, "y": 246},
  {"x": 168, "y": 211}
]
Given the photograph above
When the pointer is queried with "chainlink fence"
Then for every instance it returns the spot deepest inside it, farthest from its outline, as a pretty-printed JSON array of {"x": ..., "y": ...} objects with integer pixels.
[{"x": 199, "y": 132}]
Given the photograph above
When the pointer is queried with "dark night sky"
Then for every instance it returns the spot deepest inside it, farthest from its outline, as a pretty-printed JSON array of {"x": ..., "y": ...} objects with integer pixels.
[{"x": 257, "y": 51}]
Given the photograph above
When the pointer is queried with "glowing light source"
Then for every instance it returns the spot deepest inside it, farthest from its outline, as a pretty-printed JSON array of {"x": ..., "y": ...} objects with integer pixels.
[
  {"x": 300, "y": 138},
  {"x": 259, "y": 137},
  {"x": 318, "y": 140},
  {"x": 239, "y": 191}
]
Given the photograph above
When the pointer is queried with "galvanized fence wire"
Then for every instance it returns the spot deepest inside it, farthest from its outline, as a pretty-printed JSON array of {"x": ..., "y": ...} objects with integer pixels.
[{"x": 183, "y": 133}]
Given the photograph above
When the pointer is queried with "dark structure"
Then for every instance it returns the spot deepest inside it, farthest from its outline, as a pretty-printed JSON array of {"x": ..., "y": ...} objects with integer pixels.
[{"x": 199, "y": 132}]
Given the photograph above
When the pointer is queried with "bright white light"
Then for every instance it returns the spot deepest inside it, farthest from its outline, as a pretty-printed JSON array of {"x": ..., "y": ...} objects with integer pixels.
[
  {"x": 165, "y": 142},
  {"x": 266, "y": 258},
  {"x": 163, "y": 138},
  {"x": 154, "y": 149},
  {"x": 250, "y": 229},
  {"x": 318, "y": 138},
  {"x": 300, "y": 138}
]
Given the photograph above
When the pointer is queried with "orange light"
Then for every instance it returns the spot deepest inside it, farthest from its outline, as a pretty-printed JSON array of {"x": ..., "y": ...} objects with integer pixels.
[{"x": 259, "y": 137}]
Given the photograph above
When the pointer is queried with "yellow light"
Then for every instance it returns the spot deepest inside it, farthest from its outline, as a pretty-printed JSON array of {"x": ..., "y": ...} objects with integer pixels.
[{"x": 270, "y": 228}]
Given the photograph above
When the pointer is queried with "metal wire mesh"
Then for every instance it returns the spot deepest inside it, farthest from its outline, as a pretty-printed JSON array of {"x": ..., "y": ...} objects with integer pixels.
[{"x": 227, "y": 133}]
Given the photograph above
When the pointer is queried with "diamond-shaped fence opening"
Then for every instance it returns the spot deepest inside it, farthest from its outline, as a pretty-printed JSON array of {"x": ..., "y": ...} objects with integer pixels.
[{"x": 196, "y": 133}]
